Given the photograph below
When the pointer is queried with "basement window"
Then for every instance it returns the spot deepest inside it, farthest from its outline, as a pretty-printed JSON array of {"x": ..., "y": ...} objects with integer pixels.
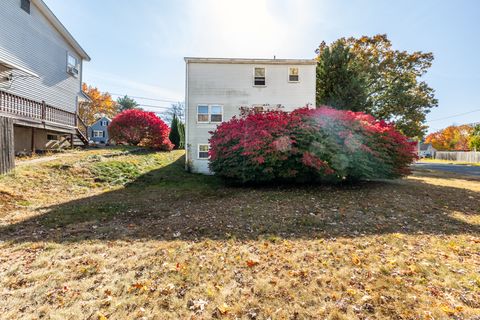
[
  {"x": 259, "y": 77},
  {"x": 203, "y": 151},
  {"x": 293, "y": 74},
  {"x": 25, "y": 5}
]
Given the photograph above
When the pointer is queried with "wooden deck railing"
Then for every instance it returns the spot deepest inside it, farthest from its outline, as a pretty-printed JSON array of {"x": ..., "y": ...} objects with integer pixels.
[{"x": 26, "y": 108}]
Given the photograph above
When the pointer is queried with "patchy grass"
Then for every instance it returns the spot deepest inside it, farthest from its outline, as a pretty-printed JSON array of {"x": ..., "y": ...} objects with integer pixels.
[{"x": 135, "y": 236}]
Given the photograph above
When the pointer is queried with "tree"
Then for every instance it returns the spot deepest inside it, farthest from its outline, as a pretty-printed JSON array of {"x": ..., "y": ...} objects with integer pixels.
[
  {"x": 138, "y": 127},
  {"x": 126, "y": 103},
  {"x": 451, "y": 138},
  {"x": 474, "y": 142},
  {"x": 174, "y": 132},
  {"x": 176, "y": 109},
  {"x": 367, "y": 74},
  {"x": 102, "y": 104}
]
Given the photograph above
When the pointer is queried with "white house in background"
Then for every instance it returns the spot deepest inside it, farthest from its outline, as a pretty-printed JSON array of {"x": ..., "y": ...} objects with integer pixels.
[
  {"x": 426, "y": 150},
  {"x": 216, "y": 88}
]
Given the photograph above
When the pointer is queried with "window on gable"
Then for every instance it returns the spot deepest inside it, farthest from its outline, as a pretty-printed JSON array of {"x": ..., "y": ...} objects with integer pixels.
[
  {"x": 202, "y": 113},
  {"x": 293, "y": 74},
  {"x": 104, "y": 123},
  {"x": 25, "y": 5},
  {"x": 216, "y": 114},
  {"x": 203, "y": 151},
  {"x": 72, "y": 65},
  {"x": 259, "y": 77}
]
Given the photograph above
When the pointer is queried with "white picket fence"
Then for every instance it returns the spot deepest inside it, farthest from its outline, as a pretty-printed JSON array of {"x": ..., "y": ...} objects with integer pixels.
[{"x": 461, "y": 156}]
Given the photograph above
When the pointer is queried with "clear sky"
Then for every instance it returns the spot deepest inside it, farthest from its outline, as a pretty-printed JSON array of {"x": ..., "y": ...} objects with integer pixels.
[{"x": 137, "y": 47}]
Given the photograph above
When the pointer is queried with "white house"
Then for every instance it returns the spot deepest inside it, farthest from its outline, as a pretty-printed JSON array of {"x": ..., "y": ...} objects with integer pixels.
[
  {"x": 40, "y": 77},
  {"x": 216, "y": 88},
  {"x": 426, "y": 150}
]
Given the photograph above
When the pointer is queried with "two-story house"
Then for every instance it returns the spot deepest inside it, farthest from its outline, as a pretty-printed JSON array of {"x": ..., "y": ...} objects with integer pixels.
[
  {"x": 40, "y": 78},
  {"x": 217, "y": 88},
  {"x": 98, "y": 131}
]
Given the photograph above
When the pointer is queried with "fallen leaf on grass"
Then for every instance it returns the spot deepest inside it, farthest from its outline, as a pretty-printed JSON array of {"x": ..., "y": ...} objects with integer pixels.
[
  {"x": 356, "y": 260},
  {"x": 252, "y": 263}
]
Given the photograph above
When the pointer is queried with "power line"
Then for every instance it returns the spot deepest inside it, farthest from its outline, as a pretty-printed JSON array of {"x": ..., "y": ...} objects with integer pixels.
[
  {"x": 145, "y": 98},
  {"x": 454, "y": 115}
]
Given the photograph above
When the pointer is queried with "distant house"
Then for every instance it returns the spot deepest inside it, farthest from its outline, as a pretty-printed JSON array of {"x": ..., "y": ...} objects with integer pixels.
[
  {"x": 426, "y": 150},
  {"x": 216, "y": 89},
  {"x": 98, "y": 131},
  {"x": 40, "y": 80}
]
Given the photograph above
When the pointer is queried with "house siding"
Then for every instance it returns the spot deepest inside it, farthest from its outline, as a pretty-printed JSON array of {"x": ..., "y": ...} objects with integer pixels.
[
  {"x": 231, "y": 85},
  {"x": 97, "y": 126},
  {"x": 31, "y": 41}
]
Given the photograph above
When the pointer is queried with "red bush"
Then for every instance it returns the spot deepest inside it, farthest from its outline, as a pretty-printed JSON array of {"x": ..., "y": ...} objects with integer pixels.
[
  {"x": 322, "y": 144},
  {"x": 138, "y": 127}
]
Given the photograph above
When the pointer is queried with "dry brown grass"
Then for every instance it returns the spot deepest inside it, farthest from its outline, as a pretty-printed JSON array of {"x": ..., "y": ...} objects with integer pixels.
[{"x": 135, "y": 237}]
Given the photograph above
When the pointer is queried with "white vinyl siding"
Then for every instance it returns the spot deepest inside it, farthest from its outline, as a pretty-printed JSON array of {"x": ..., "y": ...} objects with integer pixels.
[{"x": 31, "y": 41}]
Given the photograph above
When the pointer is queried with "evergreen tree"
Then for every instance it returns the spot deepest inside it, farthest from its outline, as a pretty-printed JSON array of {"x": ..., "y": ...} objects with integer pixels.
[
  {"x": 126, "y": 103},
  {"x": 174, "y": 133}
]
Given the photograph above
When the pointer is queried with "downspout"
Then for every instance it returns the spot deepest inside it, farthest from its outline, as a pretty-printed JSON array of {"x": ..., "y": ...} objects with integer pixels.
[{"x": 187, "y": 127}]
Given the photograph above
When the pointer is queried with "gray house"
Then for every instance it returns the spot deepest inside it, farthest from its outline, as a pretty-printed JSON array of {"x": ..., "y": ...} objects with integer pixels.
[
  {"x": 40, "y": 80},
  {"x": 98, "y": 131}
]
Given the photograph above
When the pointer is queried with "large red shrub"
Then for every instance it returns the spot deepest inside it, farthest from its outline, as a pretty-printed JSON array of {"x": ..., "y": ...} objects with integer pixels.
[
  {"x": 321, "y": 144},
  {"x": 138, "y": 127}
]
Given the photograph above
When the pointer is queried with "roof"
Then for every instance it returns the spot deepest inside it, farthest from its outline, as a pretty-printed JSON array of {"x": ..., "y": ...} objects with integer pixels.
[
  {"x": 249, "y": 61},
  {"x": 425, "y": 146},
  {"x": 61, "y": 28},
  {"x": 11, "y": 65}
]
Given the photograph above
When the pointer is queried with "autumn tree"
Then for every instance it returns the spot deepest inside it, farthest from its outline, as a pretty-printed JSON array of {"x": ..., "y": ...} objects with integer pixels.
[
  {"x": 367, "y": 74},
  {"x": 474, "y": 142},
  {"x": 102, "y": 104},
  {"x": 126, "y": 103},
  {"x": 451, "y": 138}
]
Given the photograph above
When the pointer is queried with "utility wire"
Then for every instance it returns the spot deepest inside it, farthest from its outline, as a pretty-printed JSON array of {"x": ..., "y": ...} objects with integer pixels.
[
  {"x": 454, "y": 115},
  {"x": 144, "y": 98}
]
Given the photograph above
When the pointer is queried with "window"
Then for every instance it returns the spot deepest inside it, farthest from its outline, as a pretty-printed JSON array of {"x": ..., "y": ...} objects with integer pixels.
[
  {"x": 97, "y": 134},
  {"x": 202, "y": 113},
  {"x": 25, "y": 5},
  {"x": 104, "y": 123},
  {"x": 72, "y": 65},
  {"x": 259, "y": 77},
  {"x": 293, "y": 74},
  {"x": 209, "y": 113},
  {"x": 216, "y": 113},
  {"x": 203, "y": 151}
]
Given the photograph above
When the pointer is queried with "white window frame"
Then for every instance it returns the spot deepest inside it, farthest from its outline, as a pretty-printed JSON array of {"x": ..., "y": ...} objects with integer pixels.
[
  {"x": 209, "y": 113},
  {"x": 198, "y": 151},
  {"x": 69, "y": 65},
  {"x": 265, "y": 77},
  {"x": 96, "y": 132},
  {"x": 288, "y": 75},
  {"x": 103, "y": 123}
]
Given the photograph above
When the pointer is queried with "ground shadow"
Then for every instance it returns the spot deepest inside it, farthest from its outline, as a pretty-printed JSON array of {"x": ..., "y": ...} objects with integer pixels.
[{"x": 170, "y": 204}]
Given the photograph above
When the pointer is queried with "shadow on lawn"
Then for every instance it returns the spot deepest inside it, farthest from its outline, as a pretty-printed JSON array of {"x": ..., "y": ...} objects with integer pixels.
[{"x": 170, "y": 204}]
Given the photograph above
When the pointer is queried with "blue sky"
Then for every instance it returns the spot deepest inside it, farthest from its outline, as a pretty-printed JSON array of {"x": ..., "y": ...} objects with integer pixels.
[{"x": 137, "y": 47}]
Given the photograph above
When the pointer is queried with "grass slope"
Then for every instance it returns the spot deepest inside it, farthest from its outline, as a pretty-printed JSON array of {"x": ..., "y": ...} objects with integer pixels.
[{"x": 136, "y": 237}]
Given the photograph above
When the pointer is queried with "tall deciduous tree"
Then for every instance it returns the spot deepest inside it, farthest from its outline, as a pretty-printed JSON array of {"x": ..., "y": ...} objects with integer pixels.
[
  {"x": 451, "y": 138},
  {"x": 126, "y": 103},
  {"x": 102, "y": 104},
  {"x": 367, "y": 74}
]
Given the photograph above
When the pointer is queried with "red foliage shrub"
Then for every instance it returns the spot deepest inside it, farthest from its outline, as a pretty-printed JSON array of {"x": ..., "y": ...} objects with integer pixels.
[
  {"x": 138, "y": 127},
  {"x": 321, "y": 144}
]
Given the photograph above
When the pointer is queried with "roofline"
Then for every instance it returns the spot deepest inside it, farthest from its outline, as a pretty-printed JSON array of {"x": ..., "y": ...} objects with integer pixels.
[
  {"x": 61, "y": 28},
  {"x": 249, "y": 61}
]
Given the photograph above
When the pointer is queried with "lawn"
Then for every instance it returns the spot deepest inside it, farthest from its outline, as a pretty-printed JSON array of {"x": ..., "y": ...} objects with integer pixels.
[{"x": 133, "y": 236}]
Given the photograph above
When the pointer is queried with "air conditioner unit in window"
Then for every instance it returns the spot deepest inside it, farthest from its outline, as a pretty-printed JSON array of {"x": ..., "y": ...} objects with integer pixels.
[{"x": 73, "y": 70}]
